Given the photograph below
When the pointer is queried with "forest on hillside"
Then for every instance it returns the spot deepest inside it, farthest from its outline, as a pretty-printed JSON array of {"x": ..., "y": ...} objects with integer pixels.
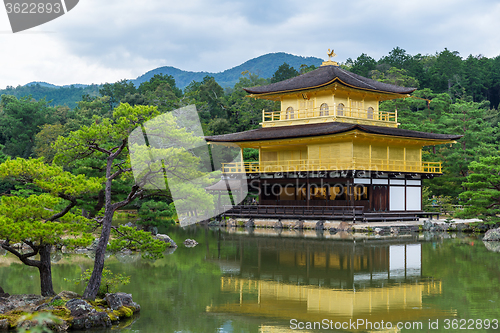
[
  {"x": 455, "y": 95},
  {"x": 54, "y": 95}
]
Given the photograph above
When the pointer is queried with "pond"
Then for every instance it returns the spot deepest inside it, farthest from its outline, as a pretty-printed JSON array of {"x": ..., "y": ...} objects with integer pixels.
[{"x": 264, "y": 281}]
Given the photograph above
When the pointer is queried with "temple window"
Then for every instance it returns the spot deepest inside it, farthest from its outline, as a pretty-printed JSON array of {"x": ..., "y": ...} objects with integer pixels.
[
  {"x": 369, "y": 114},
  {"x": 289, "y": 113},
  {"x": 323, "y": 110},
  {"x": 340, "y": 109}
]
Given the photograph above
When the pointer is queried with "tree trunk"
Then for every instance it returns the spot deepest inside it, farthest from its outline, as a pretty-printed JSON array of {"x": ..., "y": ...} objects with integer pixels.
[
  {"x": 45, "y": 271},
  {"x": 92, "y": 288},
  {"x": 95, "y": 279}
]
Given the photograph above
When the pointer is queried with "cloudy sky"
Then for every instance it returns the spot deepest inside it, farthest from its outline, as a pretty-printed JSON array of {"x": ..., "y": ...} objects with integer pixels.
[{"x": 105, "y": 41}]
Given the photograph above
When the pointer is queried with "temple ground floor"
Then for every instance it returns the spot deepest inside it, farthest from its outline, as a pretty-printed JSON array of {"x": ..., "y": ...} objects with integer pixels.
[{"x": 345, "y": 196}]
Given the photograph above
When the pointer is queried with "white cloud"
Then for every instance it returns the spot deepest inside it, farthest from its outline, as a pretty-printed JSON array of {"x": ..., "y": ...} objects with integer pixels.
[{"x": 104, "y": 41}]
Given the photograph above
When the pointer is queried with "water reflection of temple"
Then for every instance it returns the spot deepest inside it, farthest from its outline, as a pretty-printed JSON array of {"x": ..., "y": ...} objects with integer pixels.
[
  {"x": 335, "y": 264},
  {"x": 311, "y": 280}
]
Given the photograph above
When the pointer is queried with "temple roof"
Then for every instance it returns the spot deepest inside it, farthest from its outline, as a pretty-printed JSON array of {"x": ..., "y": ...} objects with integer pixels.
[
  {"x": 311, "y": 130},
  {"x": 326, "y": 75},
  {"x": 225, "y": 185}
]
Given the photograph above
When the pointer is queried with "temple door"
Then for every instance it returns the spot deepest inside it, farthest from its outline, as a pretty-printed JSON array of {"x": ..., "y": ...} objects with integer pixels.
[{"x": 380, "y": 198}]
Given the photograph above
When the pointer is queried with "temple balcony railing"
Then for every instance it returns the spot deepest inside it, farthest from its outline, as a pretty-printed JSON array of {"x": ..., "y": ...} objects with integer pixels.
[
  {"x": 318, "y": 115},
  {"x": 333, "y": 165}
]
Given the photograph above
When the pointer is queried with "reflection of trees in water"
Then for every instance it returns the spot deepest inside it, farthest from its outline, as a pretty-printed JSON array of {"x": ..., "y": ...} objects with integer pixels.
[{"x": 470, "y": 275}]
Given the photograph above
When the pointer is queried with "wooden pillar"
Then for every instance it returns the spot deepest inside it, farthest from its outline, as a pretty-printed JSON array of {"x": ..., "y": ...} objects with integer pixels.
[
  {"x": 369, "y": 188},
  {"x": 328, "y": 195},
  {"x": 308, "y": 191},
  {"x": 260, "y": 192}
]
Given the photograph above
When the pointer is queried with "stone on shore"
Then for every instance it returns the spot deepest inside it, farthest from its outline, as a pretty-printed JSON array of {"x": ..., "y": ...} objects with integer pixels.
[
  {"x": 166, "y": 239},
  {"x": 492, "y": 235},
  {"x": 190, "y": 243},
  {"x": 75, "y": 313}
]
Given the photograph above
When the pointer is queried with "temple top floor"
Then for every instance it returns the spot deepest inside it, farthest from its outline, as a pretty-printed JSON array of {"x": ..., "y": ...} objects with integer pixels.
[{"x": 329, "y": 94}]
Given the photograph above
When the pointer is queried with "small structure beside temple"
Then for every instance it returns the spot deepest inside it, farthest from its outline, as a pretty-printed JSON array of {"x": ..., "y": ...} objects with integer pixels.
[{"x": 330, "y": 150}]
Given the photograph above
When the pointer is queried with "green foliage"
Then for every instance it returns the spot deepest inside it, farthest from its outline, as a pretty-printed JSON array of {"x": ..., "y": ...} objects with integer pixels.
[
  {"x": 219, "y": 126},
  {"x": 246, "y": 113},
  {"x": 38, "y": 213},
  {"x": 394, "y": 76},
  {"x": 45, "y": 138},
  {"x": 156, "y": 213},
  {"x": 117, "y": 91},
  {"x": 20, "y": 120},
  {"x": 363, "y": 65},
  {"x": 104, "y": 133},
  {"x": 3, "y": 157},
  {"x": 109, "y": 283},
  {"x": 250, "y": 155},
  {"x": 284, "y": 72},
  {"x": 396, "y": 58},
  {"x": 475, "y": 121},
  {"x": 67, "y": 95},
  {"x": 137, "y": 240},
  {"x": 52, "y": 179},
  {"x": 57, "y": 302},
  {"x": 483, "y": 189},
  {"x": 305, "y": 69},
  {"x": 28, "y": 219},
  {"x": 159, "y": 80}
]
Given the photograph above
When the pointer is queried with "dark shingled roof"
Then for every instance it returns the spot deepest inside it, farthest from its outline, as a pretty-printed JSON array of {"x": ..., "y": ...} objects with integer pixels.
[
  {"x": 324, "y": 76},
  {"x": 309, "y": 130}
]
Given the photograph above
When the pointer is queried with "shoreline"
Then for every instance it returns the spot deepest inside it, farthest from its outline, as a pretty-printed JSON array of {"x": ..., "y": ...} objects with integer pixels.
[{"x": 336, "y": 225}]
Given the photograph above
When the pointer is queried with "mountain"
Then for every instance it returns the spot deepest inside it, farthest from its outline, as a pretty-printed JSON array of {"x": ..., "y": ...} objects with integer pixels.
[
  {"x": 50, "y": 85},
  {"x": 264, "y": 66},
  {"x": 41, "y": 84},
  {"x": 69, "y": 95},
  {"x": 57, "y": 95}
]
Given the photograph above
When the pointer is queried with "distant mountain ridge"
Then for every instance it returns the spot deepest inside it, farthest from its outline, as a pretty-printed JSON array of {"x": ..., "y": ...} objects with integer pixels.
[
  {"x": 69, "y": 95},
  {"x": 264, "y": 66},
  {"x": 50, "y": 85}
]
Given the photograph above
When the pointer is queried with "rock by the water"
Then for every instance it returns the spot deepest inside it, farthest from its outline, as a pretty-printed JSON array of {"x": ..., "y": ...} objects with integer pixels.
[
  {"x": 75, "y": 314},
  {"x": 427, "y": 225},
  {"x": 3, "y": 293},
  {"x": 344, "y": 226},
  {"x": 66, "y": 294},
  {"x": 190, "y": 243},
  {"x": 125, "y": 299},
  {"x": 114, "y": 302},
  {"x": 492, "y": 246},
  {"x": 492, "y": 235},
  {"x": 85, "y": 316},
  {"x": 278, "y": 225},
  {"x": 166, "y": 239},
  {"x": 320, "y": 225},
  {"x": 298, "y": 225},
  {"x": 56, "y": 256},
  {"x": 19, "y": 301},
  {"x": 127, "y": 257},
  {"x": 79, "y": 307},
  {"x": 232, "y": 223},
  {"x": 250, "y": 223}
]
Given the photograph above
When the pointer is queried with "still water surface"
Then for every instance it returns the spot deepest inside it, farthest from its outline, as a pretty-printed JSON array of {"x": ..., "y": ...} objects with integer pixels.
[{"x": 268, "y": 282}]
